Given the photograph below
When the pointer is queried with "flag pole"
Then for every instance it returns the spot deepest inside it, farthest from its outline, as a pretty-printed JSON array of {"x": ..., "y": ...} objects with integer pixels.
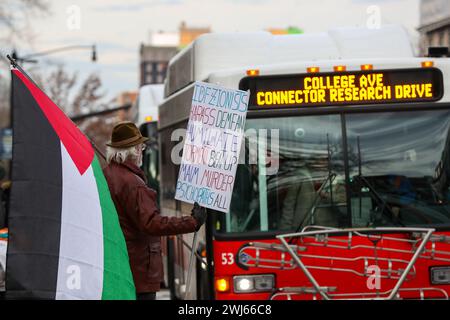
[
  {"x": 191, "y": 265},
  {"x": 12, "y": 61},
  {"x": 97, "y": 149},
  {"x": 14, "y": 64}
]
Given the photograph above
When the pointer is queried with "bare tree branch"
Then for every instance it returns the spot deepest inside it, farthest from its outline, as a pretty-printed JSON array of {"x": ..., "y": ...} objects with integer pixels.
[
  {"x": 15, "y": 16},
  {"x": 88, "y": 95},
  {"x": 15, "y": 25},
  {"x": 59, "y": 85}
]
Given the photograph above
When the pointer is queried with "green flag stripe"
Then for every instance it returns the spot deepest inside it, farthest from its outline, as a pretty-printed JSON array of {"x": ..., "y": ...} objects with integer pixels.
[{"x": 117, "y": 278}]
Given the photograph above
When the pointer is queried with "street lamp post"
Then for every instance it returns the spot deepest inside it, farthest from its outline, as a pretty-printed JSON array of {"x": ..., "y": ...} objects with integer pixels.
[{"x": 29, "y": 57}]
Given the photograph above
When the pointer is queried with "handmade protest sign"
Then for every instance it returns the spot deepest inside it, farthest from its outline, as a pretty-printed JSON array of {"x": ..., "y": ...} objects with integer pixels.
[{"x": 212, "y": 146}]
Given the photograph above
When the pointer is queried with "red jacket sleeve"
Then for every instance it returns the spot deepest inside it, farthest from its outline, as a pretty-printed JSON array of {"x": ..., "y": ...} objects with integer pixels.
[{"x": 146, "y": 216}]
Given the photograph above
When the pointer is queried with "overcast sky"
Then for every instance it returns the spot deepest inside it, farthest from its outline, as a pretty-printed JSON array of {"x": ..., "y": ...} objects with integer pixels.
[{"x": 118, "y": 26}]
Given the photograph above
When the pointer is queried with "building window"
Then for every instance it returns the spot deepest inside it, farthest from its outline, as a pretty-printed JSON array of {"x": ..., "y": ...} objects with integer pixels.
[
  {"x": 435, "y": 39},
  {"x": 441, "y": 38},
  {"x": 153, "y": 72}
]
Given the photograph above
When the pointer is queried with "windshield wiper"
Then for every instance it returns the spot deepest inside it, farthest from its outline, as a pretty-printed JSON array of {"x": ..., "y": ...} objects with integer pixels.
[
  {"x": 374, "y": 194},
  {"x": 329, "y": 179},
  {"x": 377, "y": 198}
]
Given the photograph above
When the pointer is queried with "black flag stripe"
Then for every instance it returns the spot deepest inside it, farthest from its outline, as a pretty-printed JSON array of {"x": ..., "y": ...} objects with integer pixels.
[{"x": 36, "y": 201}]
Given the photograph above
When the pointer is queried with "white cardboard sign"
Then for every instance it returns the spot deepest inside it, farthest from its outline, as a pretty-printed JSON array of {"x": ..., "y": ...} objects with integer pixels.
[{"x": 212, "y": 146}]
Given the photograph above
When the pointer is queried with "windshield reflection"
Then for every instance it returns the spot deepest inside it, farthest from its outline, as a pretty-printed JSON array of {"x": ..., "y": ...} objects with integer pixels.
[
  {"x": 398, "y": 174},
  {"x": 399, "y": 155}
]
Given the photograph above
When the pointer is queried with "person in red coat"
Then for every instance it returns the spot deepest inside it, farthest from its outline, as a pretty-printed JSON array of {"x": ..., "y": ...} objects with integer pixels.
[{"x": 138, "y": 212}]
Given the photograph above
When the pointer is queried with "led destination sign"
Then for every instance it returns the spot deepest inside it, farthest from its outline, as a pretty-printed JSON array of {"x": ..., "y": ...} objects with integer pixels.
[{"x": 345, "y": 88}]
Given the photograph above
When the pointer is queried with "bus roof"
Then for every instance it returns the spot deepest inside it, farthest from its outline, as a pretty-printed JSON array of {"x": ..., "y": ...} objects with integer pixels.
[{"x": 222, "y": 51}]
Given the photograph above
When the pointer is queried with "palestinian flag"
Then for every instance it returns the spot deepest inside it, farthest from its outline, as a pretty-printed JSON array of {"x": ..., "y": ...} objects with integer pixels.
[{"x": 65, "y": 241}]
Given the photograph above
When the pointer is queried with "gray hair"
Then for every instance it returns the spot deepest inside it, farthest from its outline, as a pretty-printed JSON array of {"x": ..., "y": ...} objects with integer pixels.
[{"x": 121, "y": 155}]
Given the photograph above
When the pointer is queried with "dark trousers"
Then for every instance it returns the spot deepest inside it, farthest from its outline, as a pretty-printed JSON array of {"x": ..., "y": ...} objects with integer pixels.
[{"x": 146, "y": 296}]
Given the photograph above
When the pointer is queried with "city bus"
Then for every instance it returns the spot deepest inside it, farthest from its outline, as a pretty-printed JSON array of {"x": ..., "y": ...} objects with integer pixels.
[{"x": 342, "y": 191}]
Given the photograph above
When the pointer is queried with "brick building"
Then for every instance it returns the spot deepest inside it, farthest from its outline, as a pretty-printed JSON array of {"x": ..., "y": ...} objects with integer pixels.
[
  {"x": 155, "y": 56},
  {"x": 434, "y": 24}
]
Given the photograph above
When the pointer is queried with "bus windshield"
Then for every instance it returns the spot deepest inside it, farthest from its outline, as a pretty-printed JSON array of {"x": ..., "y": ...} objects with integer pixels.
[{"x": 350, "y": 170}]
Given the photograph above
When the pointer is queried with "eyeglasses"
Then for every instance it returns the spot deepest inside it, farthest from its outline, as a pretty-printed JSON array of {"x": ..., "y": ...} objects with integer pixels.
[{"x": 141, "y": 147}]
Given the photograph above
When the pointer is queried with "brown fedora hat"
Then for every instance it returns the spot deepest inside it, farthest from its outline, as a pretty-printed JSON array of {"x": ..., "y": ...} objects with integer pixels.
[{"x": 125, "y": 135}]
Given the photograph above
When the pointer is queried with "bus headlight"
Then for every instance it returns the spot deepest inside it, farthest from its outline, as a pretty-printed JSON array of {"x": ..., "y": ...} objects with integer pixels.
[
  {"x": 253, "y": 283},
  {"x": 440, "y": 275}
]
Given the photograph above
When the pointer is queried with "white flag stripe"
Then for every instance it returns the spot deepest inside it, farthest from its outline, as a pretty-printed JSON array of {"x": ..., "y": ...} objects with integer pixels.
[{"x": 80, "y": 270}]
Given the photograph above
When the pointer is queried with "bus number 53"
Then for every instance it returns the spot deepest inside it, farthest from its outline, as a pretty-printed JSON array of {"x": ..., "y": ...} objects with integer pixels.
[{"x": 227, "y": 258}]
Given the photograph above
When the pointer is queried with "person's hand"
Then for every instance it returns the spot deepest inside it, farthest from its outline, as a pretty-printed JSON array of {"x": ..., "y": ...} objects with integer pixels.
[{"x": 199, "y": 214}]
